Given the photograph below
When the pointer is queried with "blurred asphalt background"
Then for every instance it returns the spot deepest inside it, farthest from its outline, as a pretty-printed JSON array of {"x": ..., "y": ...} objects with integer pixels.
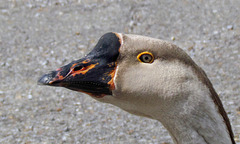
[{"x": 42, "y": 35}]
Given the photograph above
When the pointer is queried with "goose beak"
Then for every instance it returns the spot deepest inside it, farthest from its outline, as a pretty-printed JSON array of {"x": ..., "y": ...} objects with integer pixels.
[{"x": 92, "y": 74}]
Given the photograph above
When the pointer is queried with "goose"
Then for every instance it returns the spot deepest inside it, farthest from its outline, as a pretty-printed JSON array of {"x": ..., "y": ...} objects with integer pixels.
[{"x": 151, "y": 78}]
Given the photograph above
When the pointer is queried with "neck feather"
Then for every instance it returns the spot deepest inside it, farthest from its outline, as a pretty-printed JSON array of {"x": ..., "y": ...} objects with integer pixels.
[
  {"x": 214, "y": 96},
  {"x": 200, "y": 124},
  {"x": 199, "y": 117}
]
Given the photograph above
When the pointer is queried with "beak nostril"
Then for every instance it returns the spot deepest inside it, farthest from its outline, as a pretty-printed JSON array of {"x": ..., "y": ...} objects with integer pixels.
[{"x": 77, "y": 68}]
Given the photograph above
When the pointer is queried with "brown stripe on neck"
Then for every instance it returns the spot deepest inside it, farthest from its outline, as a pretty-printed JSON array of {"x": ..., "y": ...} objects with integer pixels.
[
  {"x": 178, "y": 53},
  {"x": 203, "y": 77}
]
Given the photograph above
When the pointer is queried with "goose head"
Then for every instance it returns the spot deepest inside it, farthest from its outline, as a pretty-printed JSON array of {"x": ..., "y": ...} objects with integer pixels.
[{"x": 151, "y": 78}]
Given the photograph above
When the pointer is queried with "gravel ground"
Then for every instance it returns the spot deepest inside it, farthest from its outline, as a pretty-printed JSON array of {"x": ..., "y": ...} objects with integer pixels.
[{"x": 38, "y": 36}]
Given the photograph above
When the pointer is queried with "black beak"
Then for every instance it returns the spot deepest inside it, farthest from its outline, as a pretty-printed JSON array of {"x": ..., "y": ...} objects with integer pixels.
[{"x": 92, "y": 74}]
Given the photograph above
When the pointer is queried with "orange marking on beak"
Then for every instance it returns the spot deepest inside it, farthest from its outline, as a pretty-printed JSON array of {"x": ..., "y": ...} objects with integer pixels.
[
  {"x": 73, "y": 65},
  {"x": 58, "y": 77},
  {"x": 84, "y": 70},
  {"x": 59, "y": 69},
  {"x": 86, "y": 61},
  {"x": 111, "y": 82}
]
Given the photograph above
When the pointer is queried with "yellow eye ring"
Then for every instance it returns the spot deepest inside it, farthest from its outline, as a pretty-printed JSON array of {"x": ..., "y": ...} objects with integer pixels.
[{"x": 145, "y": 57}]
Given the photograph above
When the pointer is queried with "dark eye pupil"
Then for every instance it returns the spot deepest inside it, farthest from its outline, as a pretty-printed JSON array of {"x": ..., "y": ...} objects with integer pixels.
[{"x": 146, "y": 58}]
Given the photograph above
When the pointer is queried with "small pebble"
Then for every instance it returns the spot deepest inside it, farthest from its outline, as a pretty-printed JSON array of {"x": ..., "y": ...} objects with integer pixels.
[
  {"x": 190, "y": 48},
  {"x": 67, "y": 129},
  {"x": 230, "y": 27},
  {"x": 59, "y": 109},
  {"x": 29, "y": 96},
  {"x": 64, "y": 138}
]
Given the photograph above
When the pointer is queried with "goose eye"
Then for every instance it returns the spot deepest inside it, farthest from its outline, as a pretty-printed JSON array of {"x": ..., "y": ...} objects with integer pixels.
[{"x": 145, "y": 57}]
